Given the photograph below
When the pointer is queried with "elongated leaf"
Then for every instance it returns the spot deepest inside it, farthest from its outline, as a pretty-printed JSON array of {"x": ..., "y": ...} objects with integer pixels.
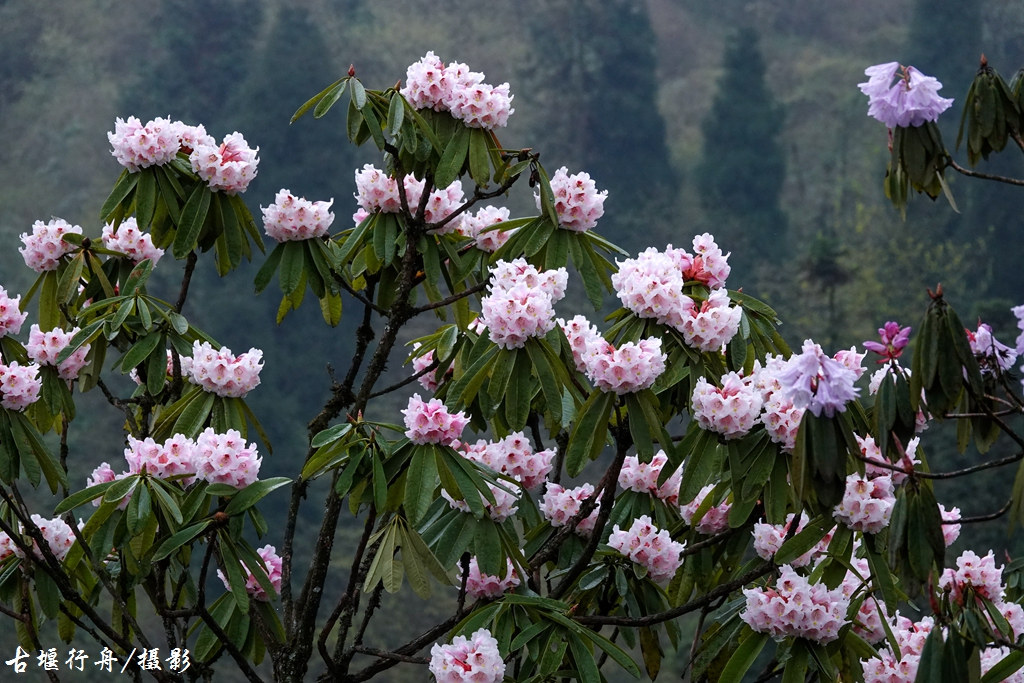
[
  {"x": 253, "y": 493},
  {"x": 312, "y": 101},
  {"x": 325, "y": 102},
  {"x": 193, "y": 417},
  {"x": 743, "y": 658},
  {"x": 125, "y": 184},
  {"x": 193, "y": 215},
  {"x": 453, "y": 158},
  {"x": 420, "y": 484},
  {"x": 145, "y": 198},
  {"x": 82, "y": 497},
  {"x": 140, "y": 351}
]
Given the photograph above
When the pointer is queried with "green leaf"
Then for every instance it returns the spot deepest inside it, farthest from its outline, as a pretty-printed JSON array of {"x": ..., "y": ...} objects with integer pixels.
[
  {"x": 269, "y": 267},
  {"x": 804, "y": 541},
  {"x": 253, "y": 493},
  {"x": 312, "y": 101},
  {"x": 70, "y": 279},
  {"x": 487, "y": 544},
  {"x": 140, "y": 351},
  {"x": 139, "y": 509},
  {"x": 380, "y": 483},
  {"x": 145, "y": 198},
  {"x": 1005, "y": 667},
  {"x": 49, "y": 312},
  {"x": 591, "y": 426},
  {"x": 82, "y": 497},
  {"x": 586, "y": 666},
  {"x": 233, "y": 569},
  {"x": 292, "y": 262},
  {"x": 137, "y": 278},
  {"x": 193, "y": 417},
  {"x": 330, "y": 434},
  {"x": 48, "y": 594},
  {"x": 519, "y": 392},
  {"x": 125, "y": 184},
  {"x": 358, "y": 93},
  {"x": 453, "y": 158},
  {"x": 396, "y": 114},
  {"x": 325, "y": 101},
  {"x": 479, "y": 159},
  {"x": 420, "y": 484},
  {"x": 796, "y": 667},
  {"x": 193, "y": 215},
  {"x": 743, "y": 658}
]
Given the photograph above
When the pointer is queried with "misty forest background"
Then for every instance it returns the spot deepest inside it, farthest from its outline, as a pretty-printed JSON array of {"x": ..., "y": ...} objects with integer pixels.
[{"x": 738, "y": 118}]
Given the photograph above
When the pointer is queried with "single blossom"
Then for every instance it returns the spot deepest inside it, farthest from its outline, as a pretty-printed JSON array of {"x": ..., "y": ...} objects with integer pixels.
[
  {"x": 292, "y": 218},
  {"x": 45, "y": 246},
  {"x": 130, "y": 241},
  {"x": 909, "y": 102}
]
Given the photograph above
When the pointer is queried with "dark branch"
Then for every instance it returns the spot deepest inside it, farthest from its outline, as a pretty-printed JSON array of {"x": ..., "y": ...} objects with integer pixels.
[{"x": 984, "y": 176}]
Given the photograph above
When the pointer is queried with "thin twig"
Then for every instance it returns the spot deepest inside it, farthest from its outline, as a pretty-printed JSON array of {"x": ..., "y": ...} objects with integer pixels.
[
  {"x": 984, "y": 176},
  {"x": 982, "y": 518},
  {"x": 390, "y": 655},
  {"x": 408, "y": 380},
  {"x": 452, "y": 299},
  {"x": 952, "y": 474}
]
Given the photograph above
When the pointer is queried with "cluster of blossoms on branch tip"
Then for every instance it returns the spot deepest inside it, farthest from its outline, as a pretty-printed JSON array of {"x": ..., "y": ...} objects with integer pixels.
[
  {"x": 19, "y": 385},
  {"x": 650, "y": 547},
  {"x": 781, "y": 419},
  {"x": 486, "y": 587},
  {"x": 715, "y": 519},
  {"x": 911, "y": 101},
  {"x": 475, "y": 227},
  {"x": 222, "y": 372},
  {"x": 228, "y": 167},
  {"x": 430, "y": 422},
  {"x": 985, "y": 580},
  {"x": 513, "y": 456},
  {"x": 642, "y": 477},
  {"x": 560, "y": 504},
  {"x": 45, "y": 246},
  {"x": 293, "y": 219},
  {"x": 377, "y": 191},
  {"x": 731, "y": 410},
  {"x": 796, "y": 607},
  {"x": 768, "y": 538},
  {"x": 468, "y": 660},
  {"x": 273, "y": 562},
  {"x": 580, "y": 334},
  {"x": 57, "y": 533},
  {"x": 423, "y": 361},
  {"x": 626, "y": 369},
  {"x": 814, "y": 381},
  {"x": 11, "y": 315},
  {"x": 214, "y": 458},
  {"x": 429, "y": 84},
  {"x": 894, "y": 340},
  {"x": 867, "y": 503},
  {"x": 577, "y": 201},
  {"x": 520, "y": 302},
  {"x": 870, "y": 450},
  {"x": 43, "y": 348},
  {"x": 130, "y": 241},
  {"x": 993, "y": 356}
]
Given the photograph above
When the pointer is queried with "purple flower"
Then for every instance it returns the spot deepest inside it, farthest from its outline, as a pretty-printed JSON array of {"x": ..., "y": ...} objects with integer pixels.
[
  {"x": 894, "y": 340},
  {"x": 911, "y": 101},
  {"x": 989, "y": 351},
  {"x": 816, "y": 382}
]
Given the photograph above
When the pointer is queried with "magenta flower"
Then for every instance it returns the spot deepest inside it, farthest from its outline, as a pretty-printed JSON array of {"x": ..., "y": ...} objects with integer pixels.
[
  {"x": 911, "y": 101},
  {"x": 894, "y": 340}
]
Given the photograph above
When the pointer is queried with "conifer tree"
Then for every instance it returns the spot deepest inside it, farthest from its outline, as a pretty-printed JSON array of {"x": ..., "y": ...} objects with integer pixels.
[{"x": 741, "y": 175}]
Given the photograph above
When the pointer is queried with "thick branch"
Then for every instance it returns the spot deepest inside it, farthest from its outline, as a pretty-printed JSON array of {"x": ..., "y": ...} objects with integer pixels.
[{"x": 190, "y": 266}]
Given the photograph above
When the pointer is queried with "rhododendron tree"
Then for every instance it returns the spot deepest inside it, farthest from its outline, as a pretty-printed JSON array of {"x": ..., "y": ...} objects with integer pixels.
[{"x": 573, "y": 485}]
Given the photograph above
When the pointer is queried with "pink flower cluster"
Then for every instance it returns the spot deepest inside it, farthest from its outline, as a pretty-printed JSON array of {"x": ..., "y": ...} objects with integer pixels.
[
  {"x": 11, "y": 316},
  {"x": 226, "y": 459},
  {"x": 651, "y": 286},
  {"x": 649, "y": 547},
  {"x": 950, "y": 532},
  {"x": 377, "y": 191},
  {"x": 911, "y": 101},
  {"x": 714, "y": 521},
  {"x": 627, "y": 369},
  {"x": 228, "y": 168},
  {"x": 708, "y": 264},
  {"x": 429, "y": 84},
  {"x": 867, "y": 503},
  {"x": 506, "y": 502},
  {"x": 174, "y": 456},
  {"x": 768, "y": 538},
  {"x": 643, "y": 478},
  {"x": 580, "y": 334},
  {"x": 577, "y": 201},
  {"x": 910, "y": 636},
  {"x": 58, "y": 536},
  {"x": 44, "y": 349},
  {"x": 473, "y": 660},
  {"x": 485, "y": 586},
  {"x": 45, "y": 246},
  {"x": 513, "y": 456},
  {"x": 812, "y": 380},
  {"x": 713, "y": 324},
  {"x": 870, "y": 450},
  {"x": 155, "y": 144},
  {"x": 429, "y": 381},
  {"x": 991, "y": 353},
  {"x": 894, "y": 340},
  {"x": 986, "y": 580},
  {"x": 440, "y": 204},
  {"x": 520, "y": 302},
  {"x": 992, "y": 656},
  {"x": 731, "y": 411},
  {"x": 273, "y": 562},
  {"x": 292, "y": 218},
  {"x": 559, "y": 505},
  {"x": 430, "y": 422},
  {"x": 473, "y": 226},
  {"x": 222, "y": 372},
  {"x": 781, "y": 418},
  {"x": 797, "y": 608},
  {"x": 130, "y": 241},
  {"x": 19, "y": 385}
]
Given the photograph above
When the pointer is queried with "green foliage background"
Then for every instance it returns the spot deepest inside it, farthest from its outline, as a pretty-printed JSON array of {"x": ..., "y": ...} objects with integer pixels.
[{"x": 737, "y": 118}]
